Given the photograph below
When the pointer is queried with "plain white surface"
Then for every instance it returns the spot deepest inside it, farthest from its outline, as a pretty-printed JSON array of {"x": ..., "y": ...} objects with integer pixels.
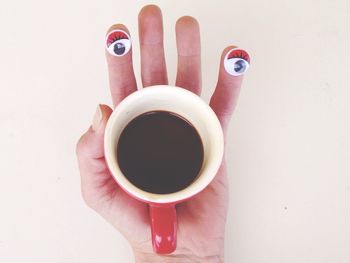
[{"x": 288, "y": 147}]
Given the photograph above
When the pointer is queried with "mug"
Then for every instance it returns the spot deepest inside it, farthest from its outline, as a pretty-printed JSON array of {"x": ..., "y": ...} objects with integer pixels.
[{"x": 162, "y": 208}]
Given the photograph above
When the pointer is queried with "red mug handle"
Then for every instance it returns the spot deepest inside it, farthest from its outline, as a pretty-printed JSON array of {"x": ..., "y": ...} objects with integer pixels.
[{"x": 164, "y": 227}]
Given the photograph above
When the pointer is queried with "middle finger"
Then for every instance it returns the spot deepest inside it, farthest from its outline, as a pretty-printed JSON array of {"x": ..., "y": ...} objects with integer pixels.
[
  {"x": 189, "y": 54},
  {"x": 153, "y": 67}
]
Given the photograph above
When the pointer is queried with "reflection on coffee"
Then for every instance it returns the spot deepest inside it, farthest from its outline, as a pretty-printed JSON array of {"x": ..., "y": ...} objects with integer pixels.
[{"x": 160, "y": 152}]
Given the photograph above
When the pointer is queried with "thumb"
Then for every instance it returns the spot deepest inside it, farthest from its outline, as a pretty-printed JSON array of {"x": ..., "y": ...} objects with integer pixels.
[
  {"x": 99, "y": 189},
  {"x": 90, "y": 153},
  {"x": 90, "y": 144}
]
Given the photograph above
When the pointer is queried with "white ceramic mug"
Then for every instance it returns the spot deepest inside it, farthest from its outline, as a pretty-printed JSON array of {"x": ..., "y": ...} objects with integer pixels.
[{"x": 202, "y": 117}]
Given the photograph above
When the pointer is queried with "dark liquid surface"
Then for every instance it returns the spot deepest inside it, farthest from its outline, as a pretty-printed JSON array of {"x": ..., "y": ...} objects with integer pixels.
[{"x": 160, "y": 152}]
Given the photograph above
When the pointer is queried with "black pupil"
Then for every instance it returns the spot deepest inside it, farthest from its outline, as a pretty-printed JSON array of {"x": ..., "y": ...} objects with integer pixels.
[
  {"x": 119, "y": 48},
  {"x": 240, "y": 66}
]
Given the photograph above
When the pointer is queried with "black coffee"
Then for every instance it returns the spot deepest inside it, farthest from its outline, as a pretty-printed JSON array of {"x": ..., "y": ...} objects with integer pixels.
[{"x": 160, "y": 152}]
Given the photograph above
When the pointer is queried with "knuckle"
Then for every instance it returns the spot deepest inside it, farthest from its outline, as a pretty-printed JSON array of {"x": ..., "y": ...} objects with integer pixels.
[{"x": 81, "y": 145}]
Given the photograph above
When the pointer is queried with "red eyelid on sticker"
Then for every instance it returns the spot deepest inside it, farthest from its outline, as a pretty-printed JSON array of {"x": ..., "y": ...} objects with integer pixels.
[
  {"x": 112, "y": 37},
  {"x": 239, "y": 53}
]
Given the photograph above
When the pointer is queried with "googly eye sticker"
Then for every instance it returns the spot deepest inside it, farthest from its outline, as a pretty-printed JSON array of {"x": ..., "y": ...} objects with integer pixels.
[
  {"x": 236, "y": 62},
  {"x": 118, "y": 43}
]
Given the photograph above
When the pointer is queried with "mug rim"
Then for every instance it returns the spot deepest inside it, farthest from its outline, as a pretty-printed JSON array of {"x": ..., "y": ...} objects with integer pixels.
[{"x": 195, "y": 187}]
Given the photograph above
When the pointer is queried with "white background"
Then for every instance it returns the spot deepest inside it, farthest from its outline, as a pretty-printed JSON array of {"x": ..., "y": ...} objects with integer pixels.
[{"x": 288, "y": 145}]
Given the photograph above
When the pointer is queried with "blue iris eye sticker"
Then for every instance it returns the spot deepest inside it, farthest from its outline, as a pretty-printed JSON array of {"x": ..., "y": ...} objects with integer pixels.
[
  {"x": 118, "y": 43},
  {"x": 237, "y": 62}
]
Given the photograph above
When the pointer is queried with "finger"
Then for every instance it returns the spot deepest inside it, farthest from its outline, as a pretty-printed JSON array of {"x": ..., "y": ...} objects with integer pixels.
[
  {"x": 153, "y": 67},
  {"x": 99, "y": 189},
  {"x": 189, "y": 54},
  {"x": 234, "y": 63},
  {"x": 122, "y": 80},
  {"x": 96, "y": 180},
  {"x": 90, "y": 151}
]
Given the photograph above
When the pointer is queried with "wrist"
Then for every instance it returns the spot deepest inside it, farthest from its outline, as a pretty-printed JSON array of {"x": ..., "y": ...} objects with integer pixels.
[{"x": 173, "y": 258}]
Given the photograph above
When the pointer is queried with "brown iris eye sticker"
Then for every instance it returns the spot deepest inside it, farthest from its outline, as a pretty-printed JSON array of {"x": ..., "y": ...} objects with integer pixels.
[
  {"x": 118, "y": 43},
  {"x": 237, "y": 62}
]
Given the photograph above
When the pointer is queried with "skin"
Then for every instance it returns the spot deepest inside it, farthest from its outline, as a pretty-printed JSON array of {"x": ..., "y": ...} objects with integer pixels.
[{"x": 201, "y": 220}]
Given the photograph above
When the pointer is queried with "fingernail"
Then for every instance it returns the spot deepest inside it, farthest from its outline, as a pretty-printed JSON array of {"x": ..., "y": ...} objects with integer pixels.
[
  {"x": 237, "y": 62},
  {"x": 97, "y": 118},
  {"x": 118, "y": 43}
]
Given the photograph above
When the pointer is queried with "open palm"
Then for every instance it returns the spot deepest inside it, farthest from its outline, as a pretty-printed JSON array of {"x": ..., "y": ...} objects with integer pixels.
[{"x": 201, "y": 220}]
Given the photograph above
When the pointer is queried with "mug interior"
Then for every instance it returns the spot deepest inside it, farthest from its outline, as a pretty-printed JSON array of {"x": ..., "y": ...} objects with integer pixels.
[{"x": 183, "y": 103}]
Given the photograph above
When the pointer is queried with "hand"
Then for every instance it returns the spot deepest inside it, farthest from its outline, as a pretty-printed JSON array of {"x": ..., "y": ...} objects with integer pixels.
[{"x": 201, "y": 220}]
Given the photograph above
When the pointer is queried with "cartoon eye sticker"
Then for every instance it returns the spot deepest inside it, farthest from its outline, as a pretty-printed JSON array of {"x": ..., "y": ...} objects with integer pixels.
[
  {"x": 118, "y": 43},
  {"x": 237, "y": 62}
]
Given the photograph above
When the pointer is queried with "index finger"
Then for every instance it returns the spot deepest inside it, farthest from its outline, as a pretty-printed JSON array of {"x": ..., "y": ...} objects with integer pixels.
[
  {"x": 233, "y": 64},
  {"x": 122, "y": 80}
]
